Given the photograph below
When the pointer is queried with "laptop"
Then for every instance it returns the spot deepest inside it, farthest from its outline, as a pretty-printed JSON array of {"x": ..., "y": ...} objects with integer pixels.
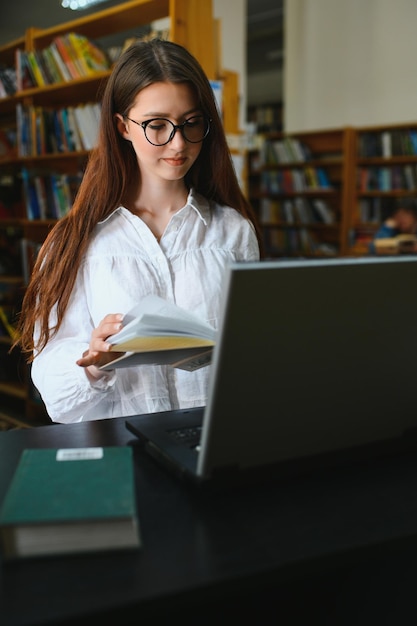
[{"x": 315, "y": 361}]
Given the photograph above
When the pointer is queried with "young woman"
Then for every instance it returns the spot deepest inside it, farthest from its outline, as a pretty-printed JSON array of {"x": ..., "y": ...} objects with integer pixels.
[{"x": 159, "y": 211}]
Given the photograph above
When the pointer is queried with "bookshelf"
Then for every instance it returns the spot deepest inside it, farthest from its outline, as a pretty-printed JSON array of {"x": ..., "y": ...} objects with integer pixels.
[
  {"x": 385, "y": 165},
  {"x": 300, "y": 185},
  {"x": 191, "y": 24}
]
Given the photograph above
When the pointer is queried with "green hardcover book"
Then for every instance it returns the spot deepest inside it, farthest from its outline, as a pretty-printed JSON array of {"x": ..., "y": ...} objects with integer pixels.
[{"x": 70, "y": 500}]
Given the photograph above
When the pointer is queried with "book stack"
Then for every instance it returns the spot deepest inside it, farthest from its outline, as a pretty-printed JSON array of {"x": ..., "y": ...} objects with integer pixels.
[
  {"x": 46, "y": 131},
  {"x": 49, "y": 196}
]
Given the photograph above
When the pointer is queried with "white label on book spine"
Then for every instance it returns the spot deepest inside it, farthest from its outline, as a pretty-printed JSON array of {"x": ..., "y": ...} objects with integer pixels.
[{"x": 79, "y": 454}]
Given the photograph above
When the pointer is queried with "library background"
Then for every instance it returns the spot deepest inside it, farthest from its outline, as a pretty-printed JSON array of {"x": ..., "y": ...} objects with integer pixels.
[{"x": 321, "y": 169}]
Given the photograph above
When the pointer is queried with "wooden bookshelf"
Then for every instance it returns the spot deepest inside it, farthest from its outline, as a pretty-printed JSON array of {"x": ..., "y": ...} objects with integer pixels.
[
  {"x": 191, "y": 24},
  {"x": 300, "y": 185},
  {"x": 385, "y": 167},
  {"x": 368, "y": 170}
]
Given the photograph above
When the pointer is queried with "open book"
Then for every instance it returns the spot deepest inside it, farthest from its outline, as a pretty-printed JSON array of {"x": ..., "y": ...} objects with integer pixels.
[
  {"x": 400, "y": 244},
  {"x": 159, "y": 332}
]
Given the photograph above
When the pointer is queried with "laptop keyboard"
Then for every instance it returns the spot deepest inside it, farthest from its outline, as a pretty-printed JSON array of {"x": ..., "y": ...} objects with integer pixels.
[{"x": 189, "y": 436}]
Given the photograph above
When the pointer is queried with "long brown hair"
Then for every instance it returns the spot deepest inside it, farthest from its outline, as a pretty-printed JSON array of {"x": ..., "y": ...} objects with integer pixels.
[{"x": 111, "y": 166}]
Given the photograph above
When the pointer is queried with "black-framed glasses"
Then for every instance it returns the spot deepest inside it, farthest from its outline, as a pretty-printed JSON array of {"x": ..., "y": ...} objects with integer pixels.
[{"x": 160, "y": 131}]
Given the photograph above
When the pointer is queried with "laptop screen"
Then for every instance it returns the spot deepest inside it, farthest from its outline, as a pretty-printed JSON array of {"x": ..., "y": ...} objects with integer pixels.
[{"x": 312, "y": 357}]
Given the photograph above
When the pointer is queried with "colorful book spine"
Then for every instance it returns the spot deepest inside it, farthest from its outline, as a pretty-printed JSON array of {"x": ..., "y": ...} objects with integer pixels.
[
  {"x": 24, "y": 78},
  {"x": 65, "y": 54},
  {"x": 36, "y": 69},
  {"x": 73, "y": 129},
  {"x": 31, "y": 199},
  {"x": 64, "y": 70},
  {"x": 54, "y": 70}
]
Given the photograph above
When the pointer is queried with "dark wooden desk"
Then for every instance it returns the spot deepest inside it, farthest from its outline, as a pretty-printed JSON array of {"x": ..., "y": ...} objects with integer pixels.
[{"x": 314, "y": 546}]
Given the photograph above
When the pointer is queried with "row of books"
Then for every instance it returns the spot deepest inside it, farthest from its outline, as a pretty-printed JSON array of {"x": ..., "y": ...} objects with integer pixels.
[
  {"x": 47, "y": 131},
  {"x": 375, "y": 210},
  {"x": 391, "y": 178},
  {"x": 295, "y": 242},
  {"x": 293, "y": 180},
  {"x": 388, "y": 143},
  {"x": 49, "y": 196},
  {"x": 299, "y": 210},
  {"x": 69, "y": 57},
  {"x": 285, "y": 150}
]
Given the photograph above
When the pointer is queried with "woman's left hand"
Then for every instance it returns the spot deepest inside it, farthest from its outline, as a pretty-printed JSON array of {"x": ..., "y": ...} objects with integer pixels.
[{"x": 98, "y": 352}]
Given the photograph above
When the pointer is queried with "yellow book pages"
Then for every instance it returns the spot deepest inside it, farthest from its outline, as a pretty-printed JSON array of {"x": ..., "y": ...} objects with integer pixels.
[
  {"x": 156, "y": 343},
  {"x": 386, "y": 245}
]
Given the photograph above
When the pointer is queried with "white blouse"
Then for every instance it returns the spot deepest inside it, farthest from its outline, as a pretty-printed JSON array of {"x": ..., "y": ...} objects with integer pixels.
[{"x": 123, "y": 263}]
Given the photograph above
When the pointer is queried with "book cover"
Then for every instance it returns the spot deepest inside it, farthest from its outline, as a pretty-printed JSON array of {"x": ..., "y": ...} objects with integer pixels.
[
  {"x": 189, "y": 358},
  {"x": 160, "y": 332},
  {"x": 74, "y": 41},
  {"x": 95, "y": 57},
  {"x": 70, "y": 501}
]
